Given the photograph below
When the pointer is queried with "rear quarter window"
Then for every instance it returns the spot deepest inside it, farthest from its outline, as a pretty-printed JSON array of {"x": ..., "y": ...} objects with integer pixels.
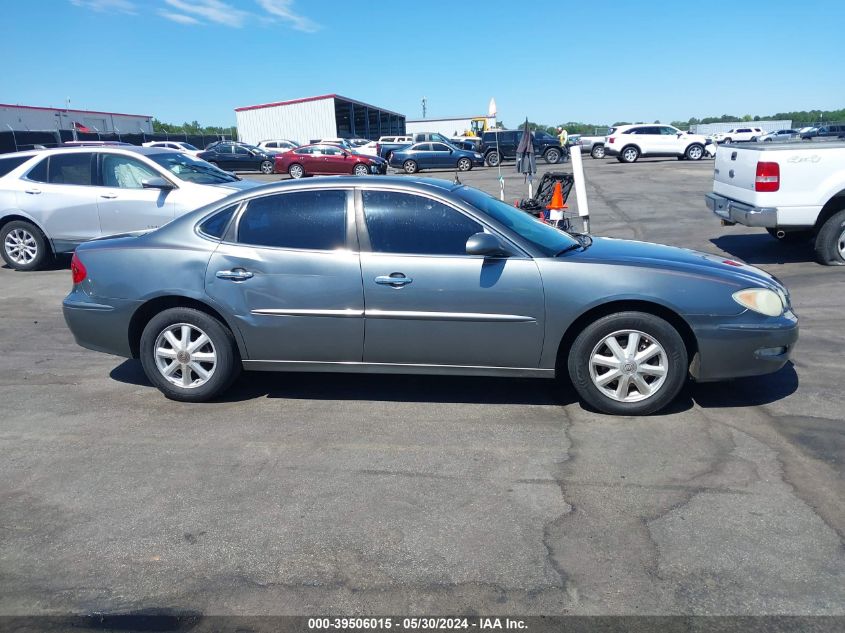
[
  {"x": 13, "y": 162},
  {"x": 215, "y": 226}
]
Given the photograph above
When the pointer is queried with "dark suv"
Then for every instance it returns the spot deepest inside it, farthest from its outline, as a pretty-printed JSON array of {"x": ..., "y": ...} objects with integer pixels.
[{"x": 545, "y": 145}]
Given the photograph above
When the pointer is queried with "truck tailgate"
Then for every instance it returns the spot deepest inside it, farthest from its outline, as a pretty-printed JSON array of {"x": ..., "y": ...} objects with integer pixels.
[{"x": 735, "y": 171}]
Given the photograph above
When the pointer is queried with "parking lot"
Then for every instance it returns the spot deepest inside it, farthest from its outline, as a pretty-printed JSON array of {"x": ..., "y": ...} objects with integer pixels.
[{"x": 325, "y": 494}]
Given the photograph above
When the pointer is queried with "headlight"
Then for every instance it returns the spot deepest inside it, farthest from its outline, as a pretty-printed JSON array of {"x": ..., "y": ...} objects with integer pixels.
[{"x": 760, "y": 300}]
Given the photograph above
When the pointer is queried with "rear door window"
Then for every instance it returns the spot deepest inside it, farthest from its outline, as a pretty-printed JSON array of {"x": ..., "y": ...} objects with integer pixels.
[{"x": 70, "y": 169}]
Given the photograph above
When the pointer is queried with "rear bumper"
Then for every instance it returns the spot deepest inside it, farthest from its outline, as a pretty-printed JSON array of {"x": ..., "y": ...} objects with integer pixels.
[
  {"x": 742, "y": 348},
  {"x": 103, "y": 327},
  {"x": 610, "y": 150},
  {"x": 740, "y": 213}
]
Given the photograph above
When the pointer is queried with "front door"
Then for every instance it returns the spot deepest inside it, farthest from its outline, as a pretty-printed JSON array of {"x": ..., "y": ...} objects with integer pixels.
[
  {"x": 292, "y": 280},
  {"x": 124, "y": 205},
  {"x": 441, "y": 155},
  {"x": 428, "y": 302}
]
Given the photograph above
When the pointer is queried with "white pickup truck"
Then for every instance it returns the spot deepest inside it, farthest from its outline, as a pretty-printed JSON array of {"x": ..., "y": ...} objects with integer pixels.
[{"x": 794, "y": 191}]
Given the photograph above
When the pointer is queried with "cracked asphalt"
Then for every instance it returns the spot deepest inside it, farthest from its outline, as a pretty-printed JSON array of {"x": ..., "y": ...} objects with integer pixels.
[{"x": 341, "y": 494}]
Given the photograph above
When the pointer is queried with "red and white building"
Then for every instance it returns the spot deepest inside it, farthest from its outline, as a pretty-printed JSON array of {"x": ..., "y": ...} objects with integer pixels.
[{"x": 37, "y": 118}]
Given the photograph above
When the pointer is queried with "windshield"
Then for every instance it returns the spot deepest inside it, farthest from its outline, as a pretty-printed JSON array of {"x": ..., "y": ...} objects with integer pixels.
[
  {"x": 191, "y": 169},
  {"x": 189, "y": 147},
  {"x": 547, "y": 239}
]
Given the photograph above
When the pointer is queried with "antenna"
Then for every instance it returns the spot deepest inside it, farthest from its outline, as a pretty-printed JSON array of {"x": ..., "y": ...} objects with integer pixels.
[{"x": 424, "y": 104}]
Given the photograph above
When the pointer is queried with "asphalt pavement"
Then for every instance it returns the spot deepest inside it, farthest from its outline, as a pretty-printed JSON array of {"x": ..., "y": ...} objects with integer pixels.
[{"x": 345, "y": 494}]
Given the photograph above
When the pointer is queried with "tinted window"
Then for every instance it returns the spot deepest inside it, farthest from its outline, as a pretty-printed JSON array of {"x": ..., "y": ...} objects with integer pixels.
[
  {"x": 192, "y": 169},
  {"x": 39, "y": 172},
  {"x": 405, "y": 223},
  {"x": 241, "y": 150},
  {"x": 8, "y": 164},
  {"x": 304, "y": 219},
  {"x": 70, "y": 169},
  {"x": 223, "y": 149},
  {"x": 422, "y": 147},
  {"x": 125, "y": 172},
  {"x": 305, "y": 150},
  {"x": 439, "y": 147},
  {"x": 217, "y": 223}
]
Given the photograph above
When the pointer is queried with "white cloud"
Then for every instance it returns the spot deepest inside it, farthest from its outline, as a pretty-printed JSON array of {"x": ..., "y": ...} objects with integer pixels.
[
  {"x": 211, "y": 10},
  {"x": 284, "y": 9},
  {"x": 178, "y": 17},
  {"x": 119, "y": 6}
]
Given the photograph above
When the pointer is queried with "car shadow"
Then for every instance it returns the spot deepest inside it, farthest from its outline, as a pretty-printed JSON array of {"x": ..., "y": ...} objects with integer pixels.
[
  {"x": 762, "y": 248},
  {"x": 745, "y": 392},
  {"x": 59, "y": 262}
]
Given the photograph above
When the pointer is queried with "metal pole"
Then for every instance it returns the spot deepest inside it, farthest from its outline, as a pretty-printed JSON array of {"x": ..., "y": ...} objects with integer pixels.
[{"x": 14, "y": 139}]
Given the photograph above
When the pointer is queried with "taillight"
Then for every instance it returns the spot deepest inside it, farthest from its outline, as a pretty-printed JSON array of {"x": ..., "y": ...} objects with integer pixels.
[
  {"x": 768, "y": 177},
  {"x": 611, "y": 140},
  {"x": 77, "y": 269}
]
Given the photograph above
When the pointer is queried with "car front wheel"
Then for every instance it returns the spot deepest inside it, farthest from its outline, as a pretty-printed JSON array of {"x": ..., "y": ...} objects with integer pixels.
[
  {"x": 694, "y": 152},
  {"x": 361, "y": 170},
  {"x": 189, "y": 355},
  {"x": 24, "y": 246},
  {"x": 628, "y": 363},
  {"x": 465, "y": 164},
  {"x": 552, "y": 156},
  {"x": 266, "y": 167},
  {"x": 630, "y": 154}
]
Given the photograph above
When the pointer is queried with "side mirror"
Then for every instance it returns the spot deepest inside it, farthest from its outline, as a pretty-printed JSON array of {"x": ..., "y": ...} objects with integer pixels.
[
  {"x": 157, "y": 183},
  {"x": 487, "y": 245}
]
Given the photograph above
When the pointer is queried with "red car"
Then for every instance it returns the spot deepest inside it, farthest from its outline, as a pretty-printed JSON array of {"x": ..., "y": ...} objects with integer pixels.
[{"x": 323, "y": 159}]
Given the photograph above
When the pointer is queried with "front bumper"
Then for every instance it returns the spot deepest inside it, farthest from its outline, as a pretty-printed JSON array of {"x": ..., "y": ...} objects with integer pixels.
[
  {"x": 747, "y": 346},
  {"x": 739, "y": 213},
  {"x": 103, "y": 327},
  {"x": 378, "y": 168}
]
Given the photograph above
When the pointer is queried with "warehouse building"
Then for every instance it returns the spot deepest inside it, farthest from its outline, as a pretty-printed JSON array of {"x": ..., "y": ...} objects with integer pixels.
[
  {"x": 312, "y": 118},
  {"x": 24, "y": 118}
]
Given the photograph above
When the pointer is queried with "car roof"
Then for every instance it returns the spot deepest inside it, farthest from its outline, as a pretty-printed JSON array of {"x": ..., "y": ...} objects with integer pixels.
[{"x": 134, "y": 149}]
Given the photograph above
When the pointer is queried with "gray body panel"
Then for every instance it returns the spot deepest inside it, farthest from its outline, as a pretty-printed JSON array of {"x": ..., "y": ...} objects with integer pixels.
[{"x": 321, "y": 310}]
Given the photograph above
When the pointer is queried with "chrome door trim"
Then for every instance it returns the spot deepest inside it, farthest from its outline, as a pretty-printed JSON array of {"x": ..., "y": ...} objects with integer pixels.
[
  {"x": 447, "y": 316},
  {"x": 395, "y": 368},
  {"x": 349, "y": 312}
]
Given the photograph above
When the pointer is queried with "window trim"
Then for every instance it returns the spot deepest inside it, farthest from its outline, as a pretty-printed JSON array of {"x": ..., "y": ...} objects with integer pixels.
[
  {"x": 230, "y": 236},
  {"x": 95, "y": 170},
  {"x": 364, "y": 236}
]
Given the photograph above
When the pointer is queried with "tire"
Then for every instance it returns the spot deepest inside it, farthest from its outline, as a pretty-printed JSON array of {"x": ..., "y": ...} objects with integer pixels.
[
  {"x": 597, "y": 152},
  {"x": 629, "y": 154},
  {"x": 791, "y": 237},
  {"x": 389, "y": 156},
  {"x": 492, "y": 159},
  {"x": 694, "y": 152},
  {"x": 360, "y": 170},
  {"x": 158, "y": 355},
  {"x": 830, "y": 242},
  {"x": 24, "y": 246},
  {"x": 652, "y": 332},
  {"x": 410, "y": 167},
  {"x": 552, "y": 156},
  {"x": 728, "y": 141},
  {"x": 266, "y": 167},
  {"x": 296, "y": 171},
  {"x": 464, "y": 164}
]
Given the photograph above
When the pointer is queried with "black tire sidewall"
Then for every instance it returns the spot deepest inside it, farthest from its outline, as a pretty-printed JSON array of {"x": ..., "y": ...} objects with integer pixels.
[
  {"x": 689, "y": 149},
  {"x": 410, "y": 163},
  {"x": 228, "y": 361},
  {"x": 654, "y": 326},
  {"x": 625, "y": 160},
  {"x": 827, "y": 251},
  {"x": 44, "y": 255},
  {"x": 261, "y": 167},
  {"x": 488, "y": 159},
  {"x": 551, "y": 152},
  {"x": 464, "y": 161},
  {"x": 357, "y": 168},
  {"x": 593, "y": 153},
  {"x": 300, "y": 167}
]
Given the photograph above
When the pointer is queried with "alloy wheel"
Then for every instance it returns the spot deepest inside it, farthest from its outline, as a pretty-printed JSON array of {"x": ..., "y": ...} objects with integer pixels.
[
  {"x": 296, "y": 171},
  {"x": 630, "y": 155},
  {"x": 840, "y": 244},
  {"x": 21, "y": 246},
  {"x": 628, "y": 366},
  {"x": 185, "y": 355},
  {"x": 266, "y": 167},
  {"x": 695, "y": 152},
  {"x": 361, "y": 170},
  {"x": 464, "y": 164}
]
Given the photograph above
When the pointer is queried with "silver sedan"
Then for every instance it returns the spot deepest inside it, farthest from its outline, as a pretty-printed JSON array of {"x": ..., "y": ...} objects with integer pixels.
[{"x": 393, "y": 275}]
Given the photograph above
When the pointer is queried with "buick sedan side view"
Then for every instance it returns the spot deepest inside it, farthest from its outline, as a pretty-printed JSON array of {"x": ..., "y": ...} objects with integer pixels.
[{"x": 400, "y": 275}]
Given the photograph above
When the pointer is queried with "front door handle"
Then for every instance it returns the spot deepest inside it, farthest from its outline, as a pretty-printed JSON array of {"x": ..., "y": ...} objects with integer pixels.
[
  {"x": 108, "y": 196},
  {"x": 237, "y": 274},
  {"x": 397, "y": 280},
  {"x": 33, "y": 191}
]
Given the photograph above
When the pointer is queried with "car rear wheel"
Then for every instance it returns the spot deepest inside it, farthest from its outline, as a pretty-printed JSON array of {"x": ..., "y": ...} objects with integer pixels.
[
  {"x": 296, "y": 171},
  {"x": 24, "y": 246},
  {"x": 464, "y": 164},
  {"x": 728, "y": 140},
  {"x": 830, "y": 242},
  {"x": 597, "y": 151},
  {"x": 189, "y": 355},
  {"x": 361, "y": 170},
  {"x": 492, "y": 159},
  {"x": 628, "y": 363},
  {"x": 630, "y": 154},
  {"x": 552, "y": 156},
  {"x": 410, "y": 166},
  {"x": 694, "y": 152},
  {"x": 266, "y": 167}
]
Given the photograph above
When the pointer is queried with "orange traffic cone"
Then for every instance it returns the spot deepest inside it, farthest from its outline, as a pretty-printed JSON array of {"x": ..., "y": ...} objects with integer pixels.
[{"x": 557, "y": 199}]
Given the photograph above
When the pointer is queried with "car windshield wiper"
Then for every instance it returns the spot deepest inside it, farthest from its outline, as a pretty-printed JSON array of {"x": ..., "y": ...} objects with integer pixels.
[
  {"x": 571, "y": 247},
  {"x": 583, "y": 241}
]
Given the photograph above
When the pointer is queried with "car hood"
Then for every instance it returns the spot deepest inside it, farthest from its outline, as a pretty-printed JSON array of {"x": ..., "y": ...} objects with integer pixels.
[
  {"x": 632, "y": 253},
  {"x": 237, "y": 185}
]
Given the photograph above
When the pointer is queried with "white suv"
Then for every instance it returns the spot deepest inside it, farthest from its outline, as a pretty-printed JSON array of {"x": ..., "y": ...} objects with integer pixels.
[
  {"x": 629, "y": 142},
  {"x": 739, "y": 134},
  {"x": 53, "y": 200}
]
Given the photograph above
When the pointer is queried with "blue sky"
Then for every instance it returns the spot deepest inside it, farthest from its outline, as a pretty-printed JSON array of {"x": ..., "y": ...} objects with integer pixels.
[{"x": 550, "y": 60}]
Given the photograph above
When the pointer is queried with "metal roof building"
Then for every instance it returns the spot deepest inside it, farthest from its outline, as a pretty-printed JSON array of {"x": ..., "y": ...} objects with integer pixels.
[
  {"x": 23, "y": 118},
  {"x": 325, "y": 116}
]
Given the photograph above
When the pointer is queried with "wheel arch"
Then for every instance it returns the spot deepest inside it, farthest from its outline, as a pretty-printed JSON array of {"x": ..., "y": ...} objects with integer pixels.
[
  {"x": 146, "y": 311},
  {"x": 624, "y": 305},
  {"x": 19, "y": 216},
  {"x": 631, "y": 144},
  {"x": 830, "y": 208}
]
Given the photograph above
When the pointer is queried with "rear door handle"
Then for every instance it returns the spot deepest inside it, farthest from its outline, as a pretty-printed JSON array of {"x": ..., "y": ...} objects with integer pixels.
[
  {"x": 238, "y": 274},
  {"x": 397, "y": 280},
  {"x": 108, "y": 196},
  {"x": 33, "y": 191}
]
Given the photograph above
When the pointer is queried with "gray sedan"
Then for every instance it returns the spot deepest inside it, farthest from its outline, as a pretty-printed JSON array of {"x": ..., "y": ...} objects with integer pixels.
[{"x": 393, "y": 275}]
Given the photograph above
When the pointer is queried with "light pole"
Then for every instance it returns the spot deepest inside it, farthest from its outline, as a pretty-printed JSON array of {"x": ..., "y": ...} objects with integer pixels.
[{"x": 424, "y": 104}]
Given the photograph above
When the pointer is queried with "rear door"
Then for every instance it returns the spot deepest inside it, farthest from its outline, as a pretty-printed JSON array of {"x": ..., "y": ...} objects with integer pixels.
[
  {"x": 428, "y": 302},
  {"x": 123, "y": 203},
  {"x": 58, "y": 193},
  {"x": 224, "y": 156},
  {"x": 291, "y": 277}
]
